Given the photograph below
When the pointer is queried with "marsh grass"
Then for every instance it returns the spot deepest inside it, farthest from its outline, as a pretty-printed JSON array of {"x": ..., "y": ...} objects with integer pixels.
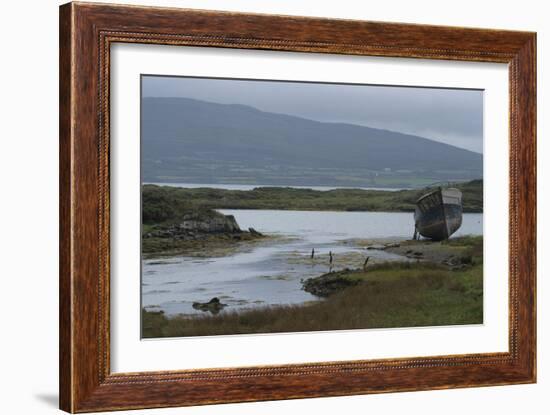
[
  {"x": 387, "y": 296},
  {"x": 472, "y": 246}
]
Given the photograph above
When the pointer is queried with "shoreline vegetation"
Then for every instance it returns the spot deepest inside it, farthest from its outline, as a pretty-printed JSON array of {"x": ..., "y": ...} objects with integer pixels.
[
  {"x": 184, "y": 221},
  {"x": 163, "y": 202},
  {"x": 437, "y": 283}
]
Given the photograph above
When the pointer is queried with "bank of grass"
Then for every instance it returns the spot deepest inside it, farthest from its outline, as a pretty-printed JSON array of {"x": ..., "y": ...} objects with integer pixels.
[
  {"x": 457, "y": 251},
  {"x": 163, "y": 202},
  {"x": 386, "y": 295},
  {"x": 471, "y": 245}
]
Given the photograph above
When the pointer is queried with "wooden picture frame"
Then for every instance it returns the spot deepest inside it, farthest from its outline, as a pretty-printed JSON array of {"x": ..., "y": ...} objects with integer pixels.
[{"x": 86, "y": 33}]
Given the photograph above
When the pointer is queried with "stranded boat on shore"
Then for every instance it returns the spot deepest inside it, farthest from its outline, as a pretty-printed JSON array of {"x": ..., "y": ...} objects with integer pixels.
[{"x": 438, "y": 214}]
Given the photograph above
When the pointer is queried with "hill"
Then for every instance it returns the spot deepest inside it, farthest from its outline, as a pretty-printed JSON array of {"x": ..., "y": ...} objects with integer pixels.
[{"x": 191, "y": 141}]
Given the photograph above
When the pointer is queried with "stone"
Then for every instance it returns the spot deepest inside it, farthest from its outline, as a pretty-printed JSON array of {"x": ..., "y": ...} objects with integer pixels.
[
  {"x": 214, "y": 306},
  {"x": 254, "y": 232},
  {"x": 329, "y": 283},
  {"x": 393, "y": 245}
]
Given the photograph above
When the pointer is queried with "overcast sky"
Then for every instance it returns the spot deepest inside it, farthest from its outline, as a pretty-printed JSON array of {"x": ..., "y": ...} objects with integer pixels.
[{"x": 451, "y": 116}]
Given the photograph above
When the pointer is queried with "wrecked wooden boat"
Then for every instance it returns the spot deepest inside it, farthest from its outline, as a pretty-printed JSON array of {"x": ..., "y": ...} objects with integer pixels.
[{"x": 438, "y": 214}]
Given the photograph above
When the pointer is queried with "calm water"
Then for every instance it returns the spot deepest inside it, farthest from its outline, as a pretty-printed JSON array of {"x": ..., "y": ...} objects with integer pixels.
[{"x": 262, "y": 275}]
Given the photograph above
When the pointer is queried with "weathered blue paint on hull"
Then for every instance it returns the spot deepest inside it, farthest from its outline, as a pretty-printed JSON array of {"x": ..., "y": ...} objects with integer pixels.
[{"x": 435, "y": 219}]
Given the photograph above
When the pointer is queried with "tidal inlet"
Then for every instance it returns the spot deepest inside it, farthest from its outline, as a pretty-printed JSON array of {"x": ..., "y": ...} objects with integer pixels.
[{"x": 278, "y": 206}]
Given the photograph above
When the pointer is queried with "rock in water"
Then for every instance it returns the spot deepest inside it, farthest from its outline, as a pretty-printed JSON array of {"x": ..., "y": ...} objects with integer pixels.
[
  {"x": 328, "y": 284},
  {"x": 254, "y": 232},
  {"x": 214, "y": 306},
  {"x": 195, "y": 225},
  {"x": 217, "y": 223}
]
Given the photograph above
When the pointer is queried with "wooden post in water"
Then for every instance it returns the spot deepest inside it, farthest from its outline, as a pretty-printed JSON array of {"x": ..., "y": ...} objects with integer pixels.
[{"x": 365, "y": 263}]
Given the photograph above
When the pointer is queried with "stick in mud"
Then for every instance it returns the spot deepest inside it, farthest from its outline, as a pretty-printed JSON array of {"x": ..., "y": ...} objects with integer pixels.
[{"x": 365, "y": 263}]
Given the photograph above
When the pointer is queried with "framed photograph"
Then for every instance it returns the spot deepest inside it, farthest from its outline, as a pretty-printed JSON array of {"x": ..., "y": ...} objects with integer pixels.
[{"x": 259, "y": 207}]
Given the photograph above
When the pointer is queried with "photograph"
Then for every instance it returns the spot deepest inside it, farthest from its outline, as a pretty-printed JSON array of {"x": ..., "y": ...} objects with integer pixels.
[
  {"x": 263, "y": 203},
  {"x": 277, "y": 206}
]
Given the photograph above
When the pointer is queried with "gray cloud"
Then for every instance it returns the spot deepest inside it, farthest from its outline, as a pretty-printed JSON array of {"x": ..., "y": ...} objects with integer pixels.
[{"x": 452, "y": 116}]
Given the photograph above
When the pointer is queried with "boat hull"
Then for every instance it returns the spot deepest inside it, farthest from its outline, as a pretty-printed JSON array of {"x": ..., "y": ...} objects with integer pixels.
[{"x": 438, "y": 214}]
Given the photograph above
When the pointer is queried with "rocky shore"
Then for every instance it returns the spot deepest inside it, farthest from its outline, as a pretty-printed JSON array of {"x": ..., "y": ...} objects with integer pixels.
[
  {"x": 194, "y": 232},
  {"x": 197, "y": 225}
]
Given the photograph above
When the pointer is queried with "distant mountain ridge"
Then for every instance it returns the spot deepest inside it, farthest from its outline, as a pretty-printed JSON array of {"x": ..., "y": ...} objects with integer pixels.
[{"x": 194, "y": 141}]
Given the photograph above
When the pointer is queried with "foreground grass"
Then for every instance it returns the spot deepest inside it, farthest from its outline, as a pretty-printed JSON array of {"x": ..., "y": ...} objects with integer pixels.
[{"x": 387, "y": 295}]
